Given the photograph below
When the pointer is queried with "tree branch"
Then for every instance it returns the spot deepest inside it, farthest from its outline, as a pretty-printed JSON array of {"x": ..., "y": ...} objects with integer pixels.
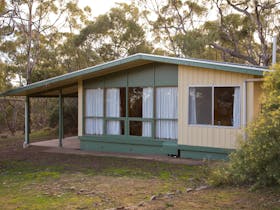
[{"x": 235, "y": 53}]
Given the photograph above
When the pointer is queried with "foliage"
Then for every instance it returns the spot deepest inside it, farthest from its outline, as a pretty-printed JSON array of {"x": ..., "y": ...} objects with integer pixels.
[
  {"x": 34, "y": 33},
  {"x": 175, "y": 26},
  {"x": 258, "y": 158},
  {"x": 70, "y": 115},
  {"x": 11, "y": 115},
  {"x": 115, "y": 34},
  {"x": 74, "y": 57},
  {"x": 243, "y": 29},
  {"x": 5, "y": 76},
  {"x": 235, "y": 31}
]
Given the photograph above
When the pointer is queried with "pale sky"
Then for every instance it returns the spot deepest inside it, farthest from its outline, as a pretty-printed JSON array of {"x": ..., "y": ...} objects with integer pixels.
[{"x": 100, "y": 6}]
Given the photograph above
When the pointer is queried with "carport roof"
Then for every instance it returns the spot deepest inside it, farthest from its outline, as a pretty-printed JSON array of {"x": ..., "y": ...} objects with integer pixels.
[{"x": 68, "y": 82}]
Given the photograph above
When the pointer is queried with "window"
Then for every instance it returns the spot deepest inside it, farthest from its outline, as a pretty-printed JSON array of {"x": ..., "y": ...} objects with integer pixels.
[
  {"x": 135, "y": 128},
  {"x": 115, "y": 102},
  {"x": 94, "y": 111},
  {"x": 135, "y": 97},
  {"x": 214, "y": 106},
  {"x": 132, "y": 111},
  {"x": 140, "y": 105},
  {"x": 167, "y": 113},
  {"x": 200, "y": 106},
  {"x": 115, "y": 108},
  {"x": 147, "y": 111},
  {"x": 223, "y": 106},
  {"x": 115, "y": 127}
]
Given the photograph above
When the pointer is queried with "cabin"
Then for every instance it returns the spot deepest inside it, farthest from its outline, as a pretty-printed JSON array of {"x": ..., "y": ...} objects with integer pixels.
[{"x": 150, "y": 104}]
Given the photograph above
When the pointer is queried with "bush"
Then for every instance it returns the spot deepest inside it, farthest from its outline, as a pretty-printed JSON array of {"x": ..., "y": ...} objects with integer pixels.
[
  {"x": 257, "y": 160},
  {"x": 70, "y": 116}
]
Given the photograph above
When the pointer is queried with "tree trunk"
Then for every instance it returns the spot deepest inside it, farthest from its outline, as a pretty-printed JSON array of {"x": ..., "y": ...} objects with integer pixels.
[{"x": 29, "y": 39}]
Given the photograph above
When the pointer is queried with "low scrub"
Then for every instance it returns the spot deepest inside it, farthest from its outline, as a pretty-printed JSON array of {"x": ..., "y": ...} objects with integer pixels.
[{"x": 256, "y": 162}]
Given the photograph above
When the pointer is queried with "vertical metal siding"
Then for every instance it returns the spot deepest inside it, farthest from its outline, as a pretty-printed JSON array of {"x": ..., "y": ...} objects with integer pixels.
[{"x": 209, "y": 136}]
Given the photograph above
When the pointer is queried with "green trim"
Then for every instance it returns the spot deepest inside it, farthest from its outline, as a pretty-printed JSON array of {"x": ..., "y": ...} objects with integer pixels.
[
  {"x": 139, "y": 57},
  {"x": 83, "y": 109},
  {"x": 231, "y": 67},
  {"x": 123, "y": 144},
  {"x": 141, "y": 119},
  {"x": 142, "y": 75},
  {"x": 166, "y": 72},
  {"x": 27, "y": 121},
  {"x": 198, "y": 152},
  {"x": 93, "y": 117},
  {"x": 104, "y": 111},
  {"x": 126, "y": 123},
  {"x": 144, "y": 145},
  {"x": 60, "y": 120},
  {"x": 121, "y": 139},
  {"x": 154, "y": 103}
]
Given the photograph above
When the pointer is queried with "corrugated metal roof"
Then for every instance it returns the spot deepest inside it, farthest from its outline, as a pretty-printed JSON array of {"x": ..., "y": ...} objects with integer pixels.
[{"x": 54, "y": 82}]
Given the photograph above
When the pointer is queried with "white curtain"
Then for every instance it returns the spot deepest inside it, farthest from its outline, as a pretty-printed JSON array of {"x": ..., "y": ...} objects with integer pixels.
[
  {"x": 94, "y": 108},
  {"x": 167, "y": 129},
  {"x": 167, "y": 108},
  {"x": 113, "y": 110},
  {"x": 147, "y": 111},
  {"x": 192, "y": 106},
  {"x": 236, "y": 107},
  {"x": 94, "y": 126}
]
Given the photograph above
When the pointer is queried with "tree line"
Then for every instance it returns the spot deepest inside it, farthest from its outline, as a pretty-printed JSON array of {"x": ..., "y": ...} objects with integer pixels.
[{"x": 41, "y": 39}]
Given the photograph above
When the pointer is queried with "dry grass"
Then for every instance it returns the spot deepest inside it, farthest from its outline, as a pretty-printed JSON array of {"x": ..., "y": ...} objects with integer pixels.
[{"x": 30, "y": 179}]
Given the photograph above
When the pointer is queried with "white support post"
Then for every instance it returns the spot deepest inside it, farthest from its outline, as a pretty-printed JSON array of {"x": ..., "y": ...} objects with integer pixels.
[{"x": 244, "y": 108}]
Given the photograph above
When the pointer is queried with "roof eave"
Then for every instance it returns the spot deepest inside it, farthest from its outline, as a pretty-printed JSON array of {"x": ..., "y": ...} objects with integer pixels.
[{"x": 21, "y": 91}]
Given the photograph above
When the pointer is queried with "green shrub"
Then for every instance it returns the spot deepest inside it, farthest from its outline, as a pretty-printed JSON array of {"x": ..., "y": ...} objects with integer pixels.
[{"x": 257, "y": 160}]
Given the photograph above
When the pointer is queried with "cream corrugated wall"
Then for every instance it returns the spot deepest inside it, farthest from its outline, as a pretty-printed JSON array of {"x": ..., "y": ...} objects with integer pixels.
[
  {"x": 210, "y": 136},
  {"x": 80, "y": 108},
  {"x": 257, "y": 97}
]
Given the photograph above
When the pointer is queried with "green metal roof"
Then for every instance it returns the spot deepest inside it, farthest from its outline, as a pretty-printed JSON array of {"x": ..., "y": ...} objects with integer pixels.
[{"x": 74, "y": 76}]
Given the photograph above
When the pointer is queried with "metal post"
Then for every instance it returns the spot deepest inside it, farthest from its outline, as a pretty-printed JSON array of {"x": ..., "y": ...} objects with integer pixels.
[
  {"x": 60, "y": 114},
  {"x": 26, "y": 122}
]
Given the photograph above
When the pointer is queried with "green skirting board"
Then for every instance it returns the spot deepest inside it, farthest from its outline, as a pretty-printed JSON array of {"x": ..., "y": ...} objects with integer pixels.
[
  {"x": 150, "y": 146},
  {"x": 197, "y": 152}
]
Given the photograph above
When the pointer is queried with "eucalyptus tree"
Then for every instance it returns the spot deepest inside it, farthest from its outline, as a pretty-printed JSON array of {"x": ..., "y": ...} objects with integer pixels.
[
  {"x": 115, "y": 34},
  {"x": 175, "y": 25},
  {"x": 30, "y": 27},
  {"x": 244, "y": 29},
  {"x": 238, "y": 31}
]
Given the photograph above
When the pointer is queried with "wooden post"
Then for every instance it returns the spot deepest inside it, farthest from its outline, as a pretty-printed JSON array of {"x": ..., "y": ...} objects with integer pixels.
[
  {"x": 60, "y": 114},
  {"x": 26, "y": 122}
]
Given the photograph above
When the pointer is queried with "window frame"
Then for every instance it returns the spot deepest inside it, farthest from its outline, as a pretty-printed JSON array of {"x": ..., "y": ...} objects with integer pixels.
[
  {"x": 127, "y": 119},
  {"x": 212, "y": 102},
  {"x": 85, "y": 117},
  {"x": 164, "y": 119}
]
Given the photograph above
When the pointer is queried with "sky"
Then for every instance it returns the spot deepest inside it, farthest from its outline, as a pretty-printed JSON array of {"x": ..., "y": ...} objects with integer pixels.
[{"x": 100, "y": 6}]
